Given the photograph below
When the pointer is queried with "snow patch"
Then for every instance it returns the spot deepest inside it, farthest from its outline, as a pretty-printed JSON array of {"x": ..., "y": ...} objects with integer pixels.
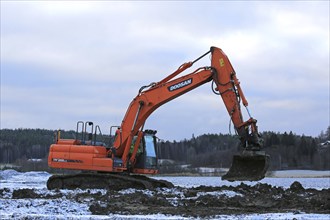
[
  {"x": 6, "y": 174},
  {"x": 22, "y": 207},
  {"x": 131, "y": 191},
  {"x": 227, "y": 193},
  {"x": 301, "y": 174}
]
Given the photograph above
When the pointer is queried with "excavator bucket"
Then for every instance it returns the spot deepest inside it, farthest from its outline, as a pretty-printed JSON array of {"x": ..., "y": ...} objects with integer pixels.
[{"x": 248, "y": 166}]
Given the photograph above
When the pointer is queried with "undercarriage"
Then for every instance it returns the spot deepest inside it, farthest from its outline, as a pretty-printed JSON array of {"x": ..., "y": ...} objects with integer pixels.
[{"x": 105, "y": 181}]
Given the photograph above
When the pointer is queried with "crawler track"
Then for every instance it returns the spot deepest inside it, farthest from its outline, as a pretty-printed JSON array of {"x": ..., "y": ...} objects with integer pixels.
[{"x": 104, "y": 181}]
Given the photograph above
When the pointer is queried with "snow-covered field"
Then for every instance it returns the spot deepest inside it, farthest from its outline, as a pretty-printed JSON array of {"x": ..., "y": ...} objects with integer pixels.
[
  {"x": 64, "y": 208},
  {"x": 187, "y": 181}
]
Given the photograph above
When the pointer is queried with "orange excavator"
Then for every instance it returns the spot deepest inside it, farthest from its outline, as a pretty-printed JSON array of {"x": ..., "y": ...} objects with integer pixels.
[{"x": 133, "y": 150}]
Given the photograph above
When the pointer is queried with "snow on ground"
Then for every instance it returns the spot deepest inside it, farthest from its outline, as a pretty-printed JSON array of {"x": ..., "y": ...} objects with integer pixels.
[
  {"x": 187, "y": 181},
  {"x": 63, "y": 208},
  {"x": 301, "y": 173},
  {"x": 16, "y": 208},
  {"x": 17, "y": 180},
  {"x": 227, "y": 193}
]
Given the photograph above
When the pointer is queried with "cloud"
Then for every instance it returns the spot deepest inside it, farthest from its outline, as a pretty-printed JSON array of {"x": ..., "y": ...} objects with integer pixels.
[{"x": 68, "y": 61}]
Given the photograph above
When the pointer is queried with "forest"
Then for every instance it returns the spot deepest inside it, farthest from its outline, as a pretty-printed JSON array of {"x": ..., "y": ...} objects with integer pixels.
[{"x": 27, "y": 149}]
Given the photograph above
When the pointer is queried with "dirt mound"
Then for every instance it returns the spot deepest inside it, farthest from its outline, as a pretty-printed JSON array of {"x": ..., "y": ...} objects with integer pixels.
[
  {"x": 296, "y": 187},
  {"x": 202, "y": 201},
  {"x": 209, "y": 201},
  {"x": 25, "y": 193},
  {"x": 33, "y": 194}
]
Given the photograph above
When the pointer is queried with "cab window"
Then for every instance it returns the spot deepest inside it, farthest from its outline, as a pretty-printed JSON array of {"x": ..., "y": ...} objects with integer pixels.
[{"x": 150, "y": 147}]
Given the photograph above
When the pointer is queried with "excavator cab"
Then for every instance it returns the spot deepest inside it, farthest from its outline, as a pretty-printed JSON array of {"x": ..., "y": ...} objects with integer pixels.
[{"x": 146, "y": 157}]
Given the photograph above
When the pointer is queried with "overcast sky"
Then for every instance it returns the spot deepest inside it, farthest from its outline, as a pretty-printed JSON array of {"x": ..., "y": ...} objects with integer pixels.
[{"x": 82, "y": 60}]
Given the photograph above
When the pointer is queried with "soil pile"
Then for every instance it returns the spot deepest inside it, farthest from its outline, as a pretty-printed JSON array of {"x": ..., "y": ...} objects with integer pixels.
[
  {"x": 209, "y": 201},
  {"x": 201, "y": 201}
]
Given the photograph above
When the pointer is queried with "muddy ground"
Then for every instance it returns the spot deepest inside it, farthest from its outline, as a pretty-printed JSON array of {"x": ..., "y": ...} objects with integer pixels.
[{"x": 195, "y": 202}]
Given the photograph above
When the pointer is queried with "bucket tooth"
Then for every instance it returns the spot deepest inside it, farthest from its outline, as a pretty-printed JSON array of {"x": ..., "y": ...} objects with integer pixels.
[{"x": 248, "y": 166}]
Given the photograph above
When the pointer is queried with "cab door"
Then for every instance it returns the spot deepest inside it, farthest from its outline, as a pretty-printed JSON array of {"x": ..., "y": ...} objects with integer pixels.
[{"x": 146, "y": 159}]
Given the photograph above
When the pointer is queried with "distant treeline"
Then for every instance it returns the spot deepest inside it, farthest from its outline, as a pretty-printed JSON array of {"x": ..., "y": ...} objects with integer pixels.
[{"x": 287, "y": 150}]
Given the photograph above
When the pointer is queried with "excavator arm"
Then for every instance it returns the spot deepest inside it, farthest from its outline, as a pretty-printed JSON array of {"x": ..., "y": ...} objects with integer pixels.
[
  {"x": 151, "y": 97},
  {"x": 232, "y": 95}
]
